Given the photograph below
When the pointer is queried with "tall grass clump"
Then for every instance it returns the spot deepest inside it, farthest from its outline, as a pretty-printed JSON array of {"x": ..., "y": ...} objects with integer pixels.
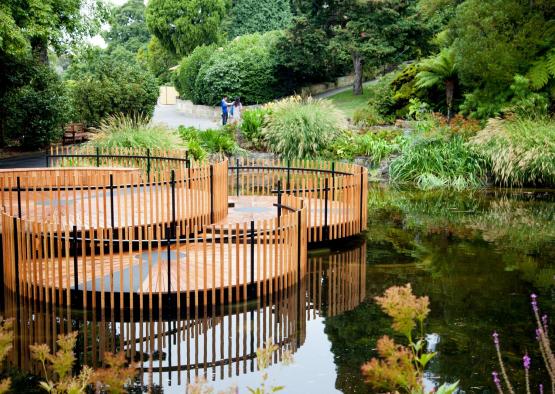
[
  {"x": 251, "y": 127},
  {"x": 520, "y": 152},
  {"x": 211, "y": 141},
  {"x": 298, "y": 128},
  {"x": 438, "y": 162},
  {"x": 133, "y": 131}
]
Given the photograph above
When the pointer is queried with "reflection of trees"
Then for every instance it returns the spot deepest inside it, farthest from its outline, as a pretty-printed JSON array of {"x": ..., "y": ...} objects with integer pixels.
[{"x": 473, "y": 254}]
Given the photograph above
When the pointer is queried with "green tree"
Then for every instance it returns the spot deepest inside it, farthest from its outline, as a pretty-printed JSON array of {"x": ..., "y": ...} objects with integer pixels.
[
  {"x": 36, "y": 25},
  {"x": 182, "y": 25},
  {"x": 376, "y": 33},
  {"x": 104, "y": 83},
  {"x": 128, "y": 27},
  {"x": 439, "y": 70},
  {"x": 255, "y": 16},
  {"x": 158, "y": 60}
]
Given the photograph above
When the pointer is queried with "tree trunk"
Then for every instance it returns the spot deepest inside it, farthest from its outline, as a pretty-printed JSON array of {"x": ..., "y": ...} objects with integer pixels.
[
  {"x": 357, "y": 83},
  {"x": 449, "y": 93}
]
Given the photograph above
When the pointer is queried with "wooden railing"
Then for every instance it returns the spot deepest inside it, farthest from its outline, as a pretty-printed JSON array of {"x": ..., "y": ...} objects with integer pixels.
[
  {"x": 217, "y": 344},
  {"x": 334, "y": 193}
]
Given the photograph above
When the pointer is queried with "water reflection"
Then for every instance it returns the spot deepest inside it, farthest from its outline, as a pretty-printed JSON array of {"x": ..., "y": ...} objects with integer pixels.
[{"x": 172, "y": 351}]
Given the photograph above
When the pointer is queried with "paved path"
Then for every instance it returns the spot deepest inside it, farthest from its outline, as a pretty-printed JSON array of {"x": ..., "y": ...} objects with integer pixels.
[
  {"x": 31, "y": 160},
  {"x": 169, "y": 115}
]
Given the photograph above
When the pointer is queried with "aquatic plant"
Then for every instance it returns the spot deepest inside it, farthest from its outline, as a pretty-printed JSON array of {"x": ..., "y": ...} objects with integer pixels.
[
  {"x": 544, "y": 344},
  {"x": 263, "y": 361},
  {"x": 402, "y": 367}
]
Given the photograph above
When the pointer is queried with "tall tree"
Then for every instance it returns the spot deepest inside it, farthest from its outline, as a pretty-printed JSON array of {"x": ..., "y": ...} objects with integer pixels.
[
  {"x": 255, "y": 16},
  {"x": 128, "y": 27},
  {"x": 377, "y": 32},
  {"x": 182, "y": 25},
  {"x": 36, "y": 25},
  {"x": 439, "y": 70}
]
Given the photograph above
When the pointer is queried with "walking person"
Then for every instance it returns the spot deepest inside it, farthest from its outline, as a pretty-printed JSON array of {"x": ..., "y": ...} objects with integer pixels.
[
  {"x": 237, "y": 108},
  {"x": 225, "y": 113}
]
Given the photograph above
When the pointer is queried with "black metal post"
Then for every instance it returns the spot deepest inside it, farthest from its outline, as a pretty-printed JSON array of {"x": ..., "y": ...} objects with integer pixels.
[
  {"x": 148, "y": 164},
  {"x": 252, "y": 256},
  {"x": 279, "y": 201},
  {"x": 112, "y": 213},
  {"x": 326, "y": 201},
  {"x": 75, "y": 272},
  {"x": 288, "y": 185},
  {"x": 47, "y": 157},
  {"x": 168, "y": 243},
  {"x": 98, "y": 157},
  {"x": 333, "y": 181},
  {"x": 174, "y": 222},
  {"x": 18, "y": 197},
  {"x": 237, "y": 180},
  {"x": 211, "y": 193}
]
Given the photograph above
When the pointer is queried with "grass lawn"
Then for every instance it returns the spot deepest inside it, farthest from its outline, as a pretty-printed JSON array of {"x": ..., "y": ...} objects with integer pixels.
[{"x": 348, "y": 103}]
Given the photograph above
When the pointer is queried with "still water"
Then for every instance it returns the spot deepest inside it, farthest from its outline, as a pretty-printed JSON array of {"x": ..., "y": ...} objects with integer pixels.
[{"x": 477, "y": 255}]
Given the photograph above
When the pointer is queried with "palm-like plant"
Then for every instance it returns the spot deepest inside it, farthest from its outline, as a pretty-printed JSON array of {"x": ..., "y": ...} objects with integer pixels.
[{"x": 437, "y": 70}]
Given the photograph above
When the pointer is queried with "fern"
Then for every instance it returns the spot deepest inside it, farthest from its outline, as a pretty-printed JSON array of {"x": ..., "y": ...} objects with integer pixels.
[{"x": 542, "y": 70}]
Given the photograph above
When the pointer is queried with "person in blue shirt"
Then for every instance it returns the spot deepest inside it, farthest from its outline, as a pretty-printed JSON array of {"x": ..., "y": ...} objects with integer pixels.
[{"x": 224, "y": 104}]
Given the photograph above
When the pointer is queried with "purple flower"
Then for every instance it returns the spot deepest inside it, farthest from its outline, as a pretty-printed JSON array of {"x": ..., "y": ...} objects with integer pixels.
[
  {"x": 541, "y": 388},
  {"x": 526, "y": 361},
  {"x": 538, "y": 333},
  {"x": 533, "y": 297},
  {"x": 544, "y": 322},
  {"x": 496, "y": 379},
  {"x": 495, "y": 336}
]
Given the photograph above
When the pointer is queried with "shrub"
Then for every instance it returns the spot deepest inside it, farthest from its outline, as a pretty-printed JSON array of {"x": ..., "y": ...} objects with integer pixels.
[
  {"x": 189, "y": 68},
  {"x": 123, "y": 131},
  {"x": 251, "y": 126},
  {"x": 376, "y": 146},
  {"x": 519, "y": 152},
  {"x": 302, "y": 128},
  {"x": 438, "y": 161},
  {"x": 33, "y": 114},
  {"x": 369, "y": 116},
  {"x": 244, "y": 68},
  {"x": 212, "y": 141},
  {"x": 103, "y": 84}
]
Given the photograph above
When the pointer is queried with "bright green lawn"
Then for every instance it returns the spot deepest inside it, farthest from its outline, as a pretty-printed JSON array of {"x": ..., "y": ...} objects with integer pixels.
[{"x": 348, "y": 103}]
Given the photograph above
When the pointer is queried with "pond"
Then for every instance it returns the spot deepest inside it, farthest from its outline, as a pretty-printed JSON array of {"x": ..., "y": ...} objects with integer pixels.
[{"x": 478, "y": 255}]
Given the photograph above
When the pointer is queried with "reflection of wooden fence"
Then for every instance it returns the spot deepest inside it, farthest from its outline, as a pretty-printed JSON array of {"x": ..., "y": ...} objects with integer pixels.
[
  {"x": 334, "y": 193},
  {"x": 195, "y": 343}
]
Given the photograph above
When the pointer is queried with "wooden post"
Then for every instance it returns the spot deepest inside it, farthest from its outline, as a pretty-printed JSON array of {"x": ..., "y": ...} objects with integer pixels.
[
  {"x": 326, "y": 229},
  {"x": 19, "y": 197},
  {"x": 237, "y": 180},
  {"x": 75, "y": 271},
  {"x": 211, "y": 193},
  {"x": 112, "y": 221},
  {"x": 16, "y": 256},
  {"x": 253, "y": 288},
  {"x": 361, "y": 195}
]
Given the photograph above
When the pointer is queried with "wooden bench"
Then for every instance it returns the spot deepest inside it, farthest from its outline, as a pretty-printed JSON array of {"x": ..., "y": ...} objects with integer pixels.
[{"x": 75, "y": 132}]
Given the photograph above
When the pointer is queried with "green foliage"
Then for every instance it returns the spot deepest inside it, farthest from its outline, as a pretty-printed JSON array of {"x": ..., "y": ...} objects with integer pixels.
[
  {"x": 182, "y": 25},
  {"x": 439, "y": 70},
  {"x": 253, "y": 16},
  {"x": 520, "y": 152},
  {"x": 525, "y": 102},
  {"x": 376, "y": 146},
  {"x": 33, "y": 108},
  {"x": 244, "y": 68},
  {"x": 251, "y": 126},
  {"x": 297, "y": 128},
  {"x": 303, "y": 56},
  {"x": 434, "y": 158},
  {"x": 122, "y": 131},
  {"x": 211, "y": 141},
  {"x": 158, "y": 60},
  {"x": 102, "y": 84},
  {"x": 128, "y": 27},
  {"x": 369, "y": 116},
  {"x": 189, "y": 67}
]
